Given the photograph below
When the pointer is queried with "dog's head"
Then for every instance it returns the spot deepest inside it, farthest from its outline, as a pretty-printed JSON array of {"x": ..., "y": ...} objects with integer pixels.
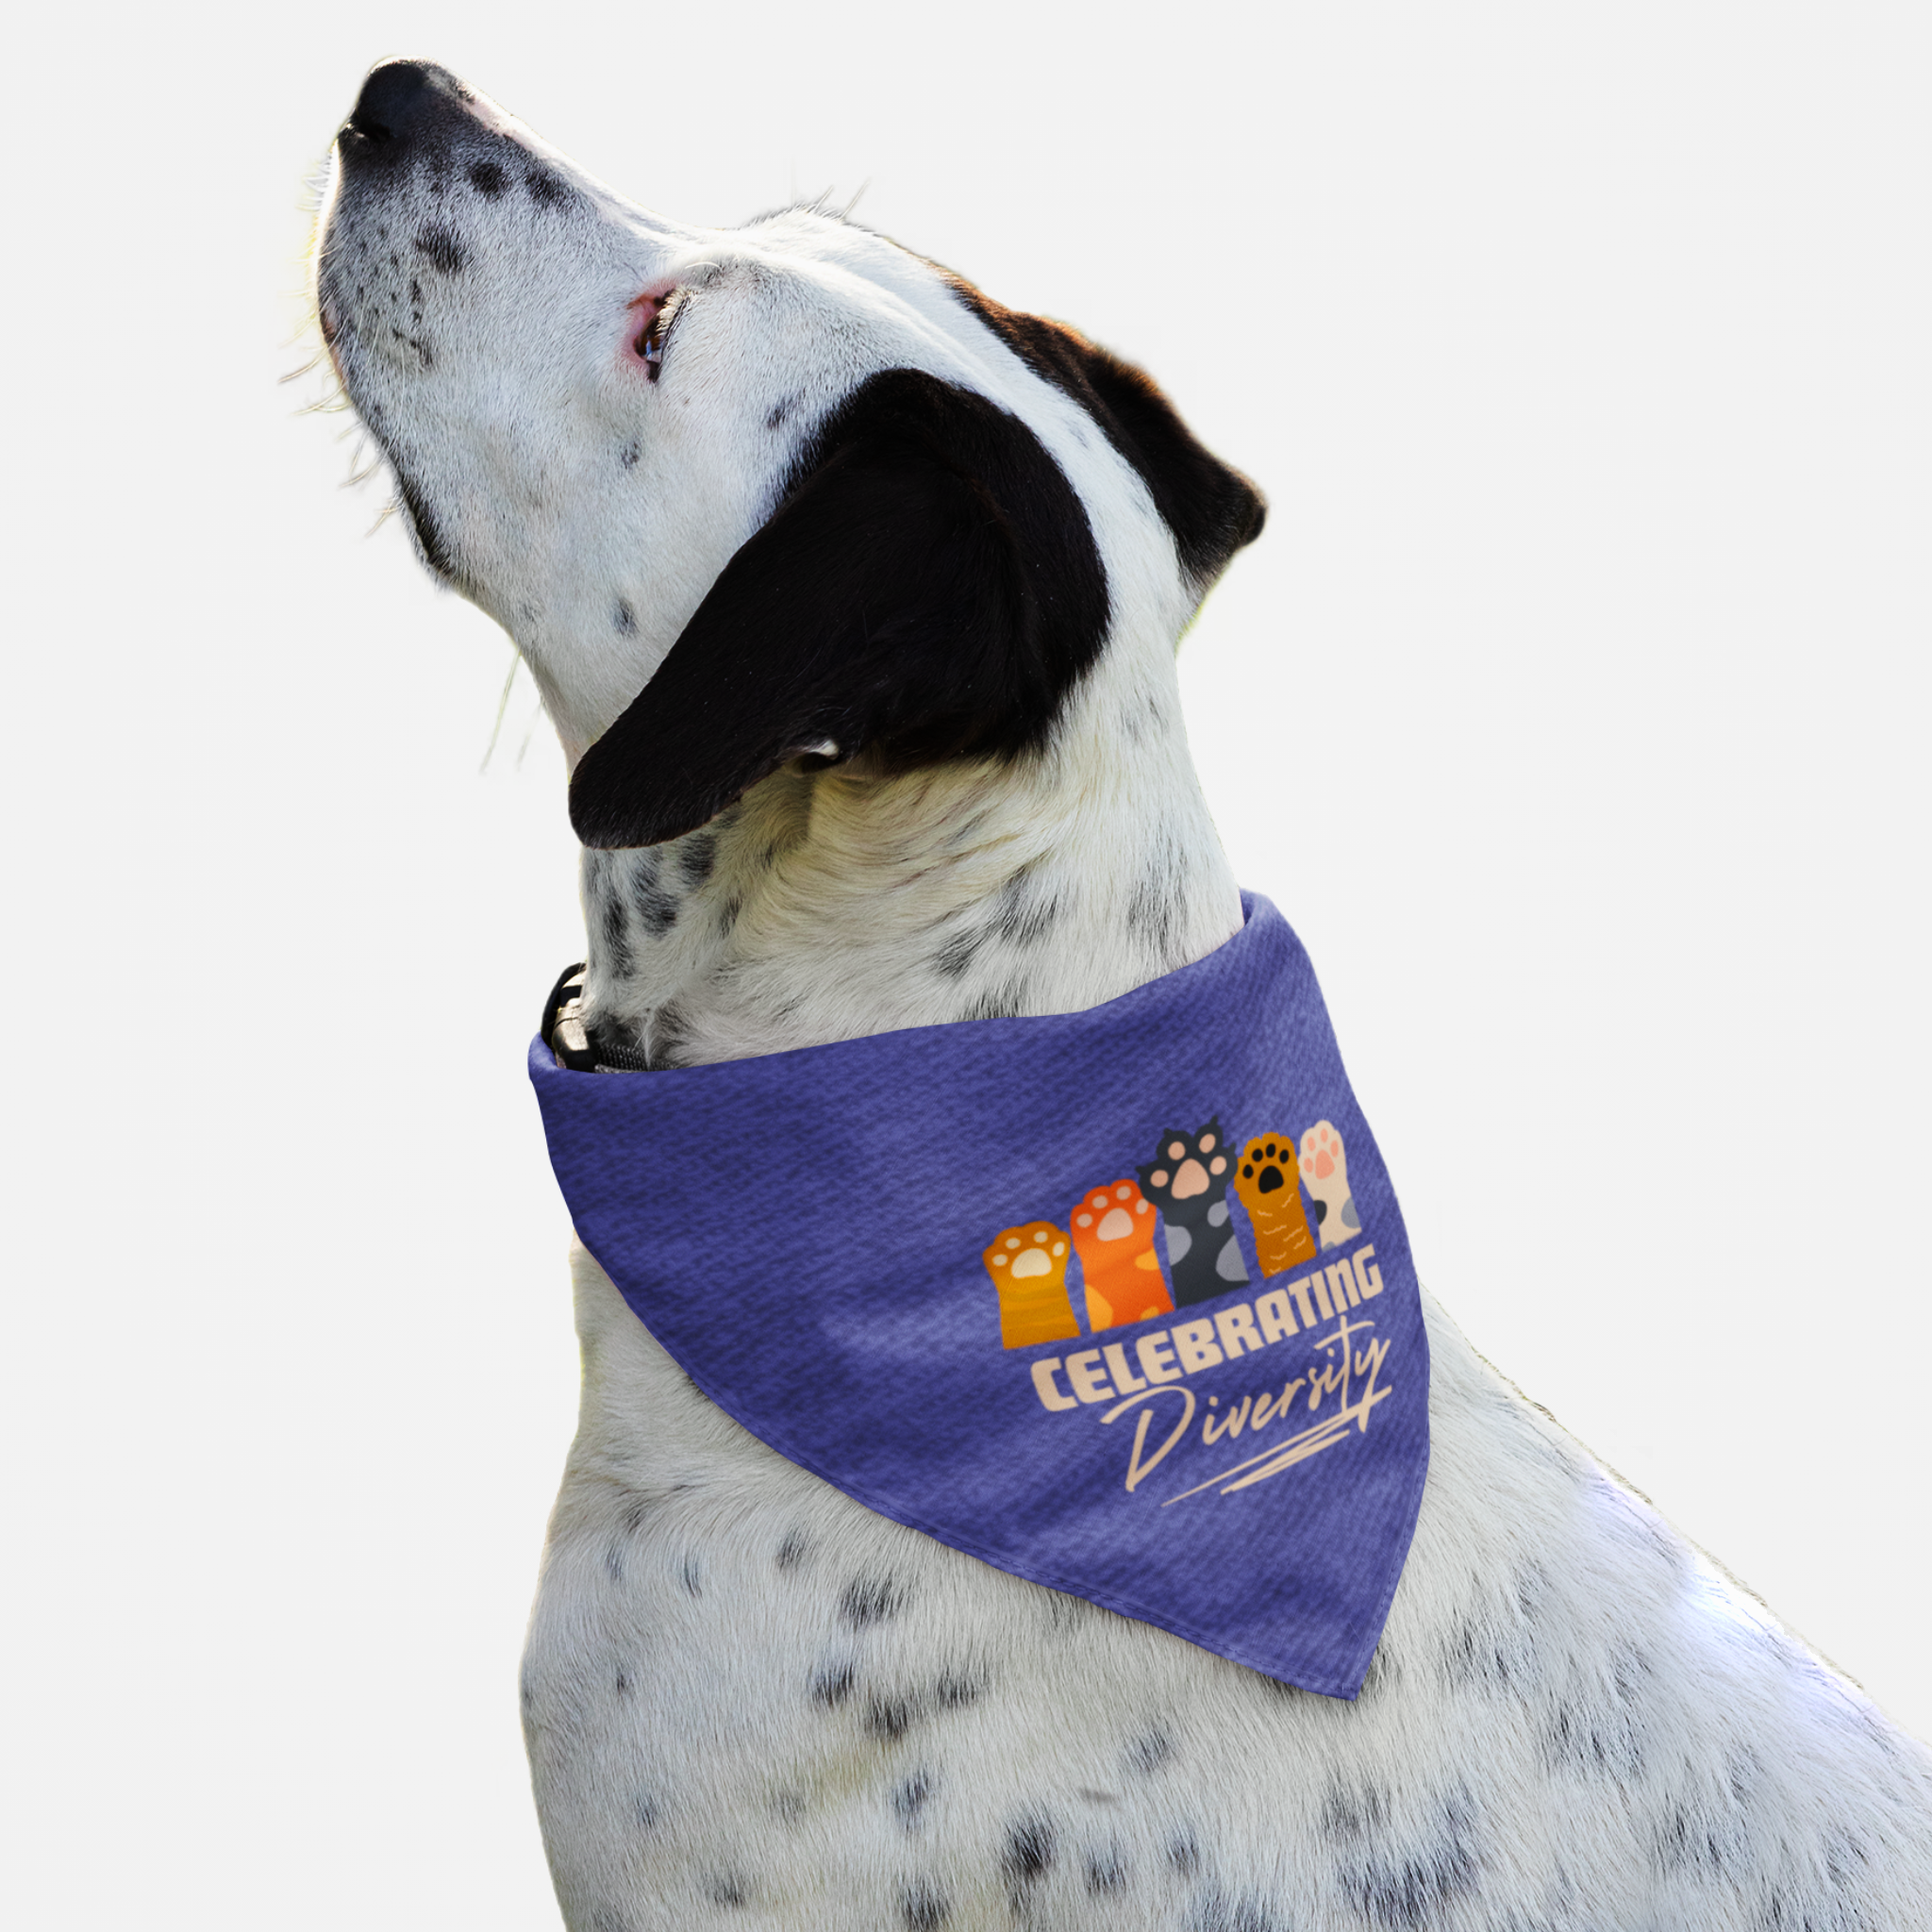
[{"x": 741, "y": 497}]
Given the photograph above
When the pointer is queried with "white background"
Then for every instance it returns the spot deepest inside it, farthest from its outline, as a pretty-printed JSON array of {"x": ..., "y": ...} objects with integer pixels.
[{"x": 1570, "y": 708}]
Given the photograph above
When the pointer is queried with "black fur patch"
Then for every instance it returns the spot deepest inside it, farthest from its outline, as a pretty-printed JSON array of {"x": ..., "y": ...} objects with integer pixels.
[
  {"x": 444, "y": 248},
  {"x": 927, "y": 588},
  {"x": 924, "y": 1906},
  {"x": 832, "y": 1685},
  {"x": 909, "y": 1800},
  {"x": 1027, "y": 1857},
  {"x": 871, "y": 1599},
  {"x": 1212, "y": 509}
]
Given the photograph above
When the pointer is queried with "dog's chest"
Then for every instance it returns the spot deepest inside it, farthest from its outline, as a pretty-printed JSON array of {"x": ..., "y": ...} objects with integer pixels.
[{"x": 745, "y": 1693}]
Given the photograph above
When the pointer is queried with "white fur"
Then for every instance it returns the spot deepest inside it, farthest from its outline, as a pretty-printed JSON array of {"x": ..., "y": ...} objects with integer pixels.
[{"x": 749, "y": 1700}]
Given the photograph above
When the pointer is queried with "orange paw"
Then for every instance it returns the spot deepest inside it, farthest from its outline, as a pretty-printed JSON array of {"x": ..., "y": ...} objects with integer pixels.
[
  {"x": 1029, "y": 1269},
  {"x": 1266, "y": 1180},
  {"x": 1113, "y": 1235}
]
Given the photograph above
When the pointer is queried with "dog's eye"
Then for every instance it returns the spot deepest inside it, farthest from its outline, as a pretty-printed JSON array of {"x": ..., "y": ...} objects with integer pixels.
[{"x": 651, "y": 344}]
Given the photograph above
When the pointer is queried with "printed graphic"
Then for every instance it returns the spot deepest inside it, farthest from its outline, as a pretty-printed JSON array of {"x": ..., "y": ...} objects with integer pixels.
[
  {"x": 1266, "y": 1180},
  {"x": 1324, "y": 1169},
  {"x": 1029, "y": 1267},
  {"x": 1188, "y": 1182},
  {"x": 1329, "y": 1382},
  {"x": 1113, "y": 1236}
]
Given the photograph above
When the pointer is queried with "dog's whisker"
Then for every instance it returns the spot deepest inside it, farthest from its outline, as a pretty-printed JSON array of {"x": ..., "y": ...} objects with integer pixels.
[{"x": 502, "y": 705}]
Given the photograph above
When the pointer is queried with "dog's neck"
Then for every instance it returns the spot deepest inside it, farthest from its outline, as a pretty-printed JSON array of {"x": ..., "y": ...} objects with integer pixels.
[{"x": 828, "y": 904}]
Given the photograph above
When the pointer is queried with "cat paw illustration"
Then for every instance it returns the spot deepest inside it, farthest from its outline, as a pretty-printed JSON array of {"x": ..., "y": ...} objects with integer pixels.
[
  {"x": 1266, "y": 1180},
  {"x": 1113, "y": 1236},
  {"x": 1324, "y": 1173},
  {"x": 1188, "y": 1181},
  {"x": 1027, "y": 1266}
]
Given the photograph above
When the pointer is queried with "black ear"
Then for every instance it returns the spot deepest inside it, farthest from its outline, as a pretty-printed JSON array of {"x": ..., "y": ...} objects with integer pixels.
[
  {"x": 1212, "y": 509},
  {"x": 928, "y": 588}
]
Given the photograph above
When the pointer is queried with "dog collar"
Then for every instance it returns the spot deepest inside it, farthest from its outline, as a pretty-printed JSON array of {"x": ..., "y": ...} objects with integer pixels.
[{"x": 1120, "y": 1301}]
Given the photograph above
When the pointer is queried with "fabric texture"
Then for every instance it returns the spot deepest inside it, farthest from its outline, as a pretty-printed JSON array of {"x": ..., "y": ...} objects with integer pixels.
[{"x": 1120, "y": 1301}]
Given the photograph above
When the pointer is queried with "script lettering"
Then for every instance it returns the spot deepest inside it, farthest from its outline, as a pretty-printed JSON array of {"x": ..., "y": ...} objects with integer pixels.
[{"x": 1139, "y": 1464}]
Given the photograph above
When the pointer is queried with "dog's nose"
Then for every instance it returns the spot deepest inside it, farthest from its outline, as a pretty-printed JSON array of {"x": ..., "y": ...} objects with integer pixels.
[{"x": 401, "y": 96}]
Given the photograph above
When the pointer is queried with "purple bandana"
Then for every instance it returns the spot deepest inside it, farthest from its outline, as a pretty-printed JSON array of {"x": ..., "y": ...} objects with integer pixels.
[{"x": 1120, "y": 1301}]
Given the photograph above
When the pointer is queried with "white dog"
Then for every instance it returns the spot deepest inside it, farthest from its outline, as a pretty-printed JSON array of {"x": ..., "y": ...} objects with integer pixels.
[{"x": 904, "y": 572}]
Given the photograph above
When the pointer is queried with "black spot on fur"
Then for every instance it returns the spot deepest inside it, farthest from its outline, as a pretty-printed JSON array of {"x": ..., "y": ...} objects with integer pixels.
[
  {"x": 622, "y": 1681},
  {"x": 1413, "y": 1892},
  {"x": 616, "y": 932},
  {"x": 613, "y": 1563},
  {"x": 1493, "y": 1649},
  {"x": 1214, "y": 1911},
  {"x": 924, "y": 1906},
  {"x": 791, "y": 1552},
  {"x": 781, "y": 414},
  {"x": 870, "y": 1600},
  {"x": 999, "y": 1003},
  {"x": 646, "y": 1810},
  {"x": 1022, "y": 915},
  {"x": 889, "y": 1718},
  {"x": 656, "y": 909},
  {"x": 1106, "y": 1872},
  {"x": 1027, "y": 1857},
  {"x": 1351, "y": 1815},
  {"x": 956, "y": 1692},
  {"x": 1149, "y": 1752},
  {"x": 787, "y": 1806},
  {"x": 629, "y": 454},
  {"x": 443, "y": 248},
  {"x": 548, "y": 190},
  {"x": 488, "y": 179},
  {"x": 1184, "y": 1852},
  {"x": 1708, "y": 1831},
  {"x": 690, "y": 1578},
  {"x": 1158, "y": 907},
  {"x": 729, "y": 913},
  {"x": 1601, "y": 1735},
  {"x": 832, "y": 1685},
  {"x": 623, "y": 619},
  {"x": 696, "y": 856},
  {"x": 910, "y": 1799},
  {"x": 728, "y": 1888},
  {"x": 957, "y": 953}
]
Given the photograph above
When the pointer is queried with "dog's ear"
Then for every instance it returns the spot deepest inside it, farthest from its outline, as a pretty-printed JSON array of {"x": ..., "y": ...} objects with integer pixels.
[
  {"x": 928, "y": 588},
  {"x": 1212, "y": 509}
]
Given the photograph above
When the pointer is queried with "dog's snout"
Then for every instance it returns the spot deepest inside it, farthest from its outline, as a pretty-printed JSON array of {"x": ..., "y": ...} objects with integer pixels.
[{"x": 401, "y": 98}]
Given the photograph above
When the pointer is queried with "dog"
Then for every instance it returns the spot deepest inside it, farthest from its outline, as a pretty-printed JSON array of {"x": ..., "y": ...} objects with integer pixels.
[{"x": 901, "y": 574}]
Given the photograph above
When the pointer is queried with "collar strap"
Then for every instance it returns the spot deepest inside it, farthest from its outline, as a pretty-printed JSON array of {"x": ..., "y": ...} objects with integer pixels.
[{"x": 574, "y": 1041}]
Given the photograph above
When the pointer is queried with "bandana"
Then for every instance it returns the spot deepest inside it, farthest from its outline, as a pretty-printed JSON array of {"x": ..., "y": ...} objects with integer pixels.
[{"x": 1119, "y": 1301}]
